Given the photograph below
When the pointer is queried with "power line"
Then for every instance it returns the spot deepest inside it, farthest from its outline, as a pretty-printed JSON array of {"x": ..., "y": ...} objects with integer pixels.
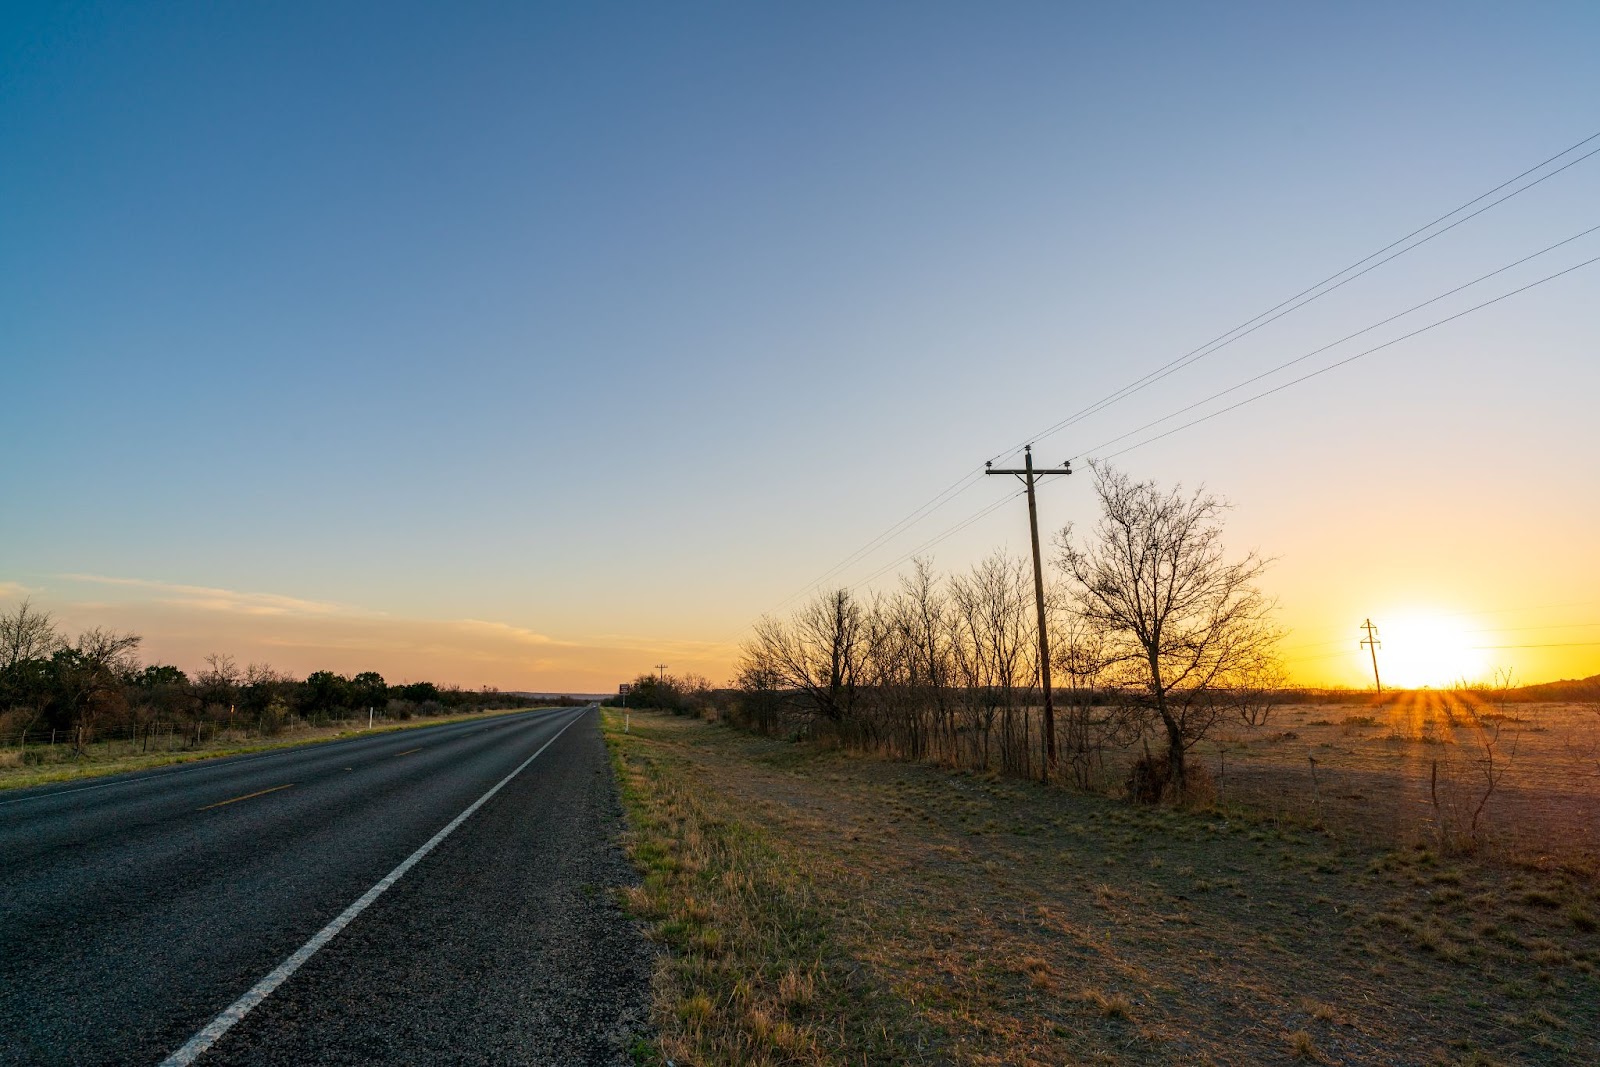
[
  {"x": 1277, "y": 311},
  {"x": 1248, "y": 400},
  {"x": 1347, "y": 337},
  {"x": 967, "y": 480},
  {"x": 1351, "y": 359},
  {"x": 1345, "y": 653},
  {"x": 1457, "y": 615},
  {"x": 934, "y": 503},
  {"x": 1484, "y": 630},
  {"x": 1552, "y": 644},
  {"x": 1524, "y": 629},
  {"x": 947, "y": 533},
  {"x": 937, "y": 539}
]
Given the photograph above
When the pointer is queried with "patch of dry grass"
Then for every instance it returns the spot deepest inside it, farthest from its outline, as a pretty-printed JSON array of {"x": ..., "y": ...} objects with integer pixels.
[
  {"x": 749, "y": 971},
  {"x": 995, "y": 922}
]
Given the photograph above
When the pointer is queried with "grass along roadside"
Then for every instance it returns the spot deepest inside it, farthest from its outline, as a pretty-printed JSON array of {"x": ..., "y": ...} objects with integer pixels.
[
  {"x": 749, "y": 972},
  {"x": 17, "y": 775},
  {"x": 990, "y": 921}
]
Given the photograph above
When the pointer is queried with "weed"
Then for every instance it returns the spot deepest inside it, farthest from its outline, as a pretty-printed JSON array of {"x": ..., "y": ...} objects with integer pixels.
[
  {"x": 1319, "y": 1011},
  {"x": 797, "y": 989},
  {"x": 695, "y": 1009},
  {"x": 1302, "y": 1047},
  {"x": 1112, "y": 1006}
]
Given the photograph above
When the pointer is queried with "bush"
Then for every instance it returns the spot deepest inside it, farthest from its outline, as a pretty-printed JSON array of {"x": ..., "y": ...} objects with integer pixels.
[
  {"x": 274, "y": 718},
  {"x": 1151, "y": 781}
]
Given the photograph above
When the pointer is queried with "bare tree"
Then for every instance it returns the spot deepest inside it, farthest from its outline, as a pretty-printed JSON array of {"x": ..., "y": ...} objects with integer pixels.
[
  {"x": 992, "y": 606},
  {"x": 924, "y": 612},
  {"x": 109, "y": 651},
  {"x": 1090, "y": 723},
  {"x": 27, "y": 633},
  {"x": 760, "y": 701},
  {"x": 93, "y": 677},
  {"x": 1185, "y": 629},
  {"x": 819, "y": 653},
  {"x": 218, "y": 684},
  {"x": 1487, "y": 731}
]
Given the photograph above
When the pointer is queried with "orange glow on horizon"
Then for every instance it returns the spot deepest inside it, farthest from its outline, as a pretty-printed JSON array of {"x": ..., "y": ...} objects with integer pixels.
[{"x": 1435, "y": 649}]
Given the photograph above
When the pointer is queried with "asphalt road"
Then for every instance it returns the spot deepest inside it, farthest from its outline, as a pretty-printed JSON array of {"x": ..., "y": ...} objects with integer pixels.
[{"x": 136, "y": 910}]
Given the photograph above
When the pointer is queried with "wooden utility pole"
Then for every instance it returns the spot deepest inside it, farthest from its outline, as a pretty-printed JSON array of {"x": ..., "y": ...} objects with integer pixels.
[
  {"x": 661, "y": 669},
  {"x": 1371, "y": 643},
  {"x": 1028, "y": 476}
]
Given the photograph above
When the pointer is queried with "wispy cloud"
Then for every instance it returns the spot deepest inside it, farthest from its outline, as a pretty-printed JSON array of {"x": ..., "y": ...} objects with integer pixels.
[
  {"x": 184, "y": 622},
  {"x": 11, "y": 589},
  {"x": 678, "y": 646},
  {"x": 207, "y": 598},
  {"x": 506, "y": 631}
]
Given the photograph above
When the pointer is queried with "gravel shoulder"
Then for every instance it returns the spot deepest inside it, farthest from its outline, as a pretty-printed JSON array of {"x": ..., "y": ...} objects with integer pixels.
[{"x": 505, "y": 945}]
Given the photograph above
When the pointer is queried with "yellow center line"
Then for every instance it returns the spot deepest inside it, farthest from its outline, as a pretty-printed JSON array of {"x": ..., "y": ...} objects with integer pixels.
[
  {"x": 408, "y": 751},
  {"x": 247, "y": 796}
]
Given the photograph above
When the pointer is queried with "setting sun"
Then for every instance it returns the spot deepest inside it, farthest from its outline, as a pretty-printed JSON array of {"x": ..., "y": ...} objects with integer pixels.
[{"x": 1427, "y": 650}]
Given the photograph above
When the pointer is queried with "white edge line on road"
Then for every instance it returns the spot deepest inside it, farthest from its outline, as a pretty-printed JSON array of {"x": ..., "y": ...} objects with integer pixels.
[
  {"x": 263, "y": 989},
  {"x": 228, "y": 761}
]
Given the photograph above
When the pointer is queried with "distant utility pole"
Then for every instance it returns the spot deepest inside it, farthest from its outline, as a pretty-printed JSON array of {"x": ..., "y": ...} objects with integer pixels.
[
  {"x": 1028, "y": 476},
  {"x": 661, "y": 672},
  {"x": 1372, "y": 644}
]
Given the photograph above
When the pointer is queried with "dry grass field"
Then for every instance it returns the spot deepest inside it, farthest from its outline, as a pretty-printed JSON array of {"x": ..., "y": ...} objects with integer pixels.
[
  {"x": 1380, "y": 767},
  {"x": 816, "y": 907}
]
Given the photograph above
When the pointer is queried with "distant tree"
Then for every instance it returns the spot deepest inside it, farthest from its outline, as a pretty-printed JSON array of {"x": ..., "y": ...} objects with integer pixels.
[
  {"x": 160, "y": 674},
  {"x": 217, "y": 685},
  {"x": 645, "y": 692},
  {"x": 28, "y": 639},
  {"x": 368, "y": 690},
  {"x": 90, "y": 678},
  {"x": 262, "y": 685},
  {"x": 326, "y": 692},
  {"x": 27, "y": 634},
  {"x": 162, "y": 692},
  {"x": 1185, "y": 631},
  {"x": 417, "y": 692}
]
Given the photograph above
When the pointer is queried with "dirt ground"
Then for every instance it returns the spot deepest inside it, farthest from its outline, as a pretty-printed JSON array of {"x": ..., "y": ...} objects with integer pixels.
[{"x": 1026, "y": 926}]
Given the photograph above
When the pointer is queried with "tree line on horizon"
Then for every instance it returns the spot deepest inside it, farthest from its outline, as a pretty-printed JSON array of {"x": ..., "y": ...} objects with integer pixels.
[
  {"x": 95, "y": 682},
  {"x": 1157, "y": 637}
]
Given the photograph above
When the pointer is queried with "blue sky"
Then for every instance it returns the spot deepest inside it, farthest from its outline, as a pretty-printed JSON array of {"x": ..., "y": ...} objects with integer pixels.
[{"x": 616, "y": 324}]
